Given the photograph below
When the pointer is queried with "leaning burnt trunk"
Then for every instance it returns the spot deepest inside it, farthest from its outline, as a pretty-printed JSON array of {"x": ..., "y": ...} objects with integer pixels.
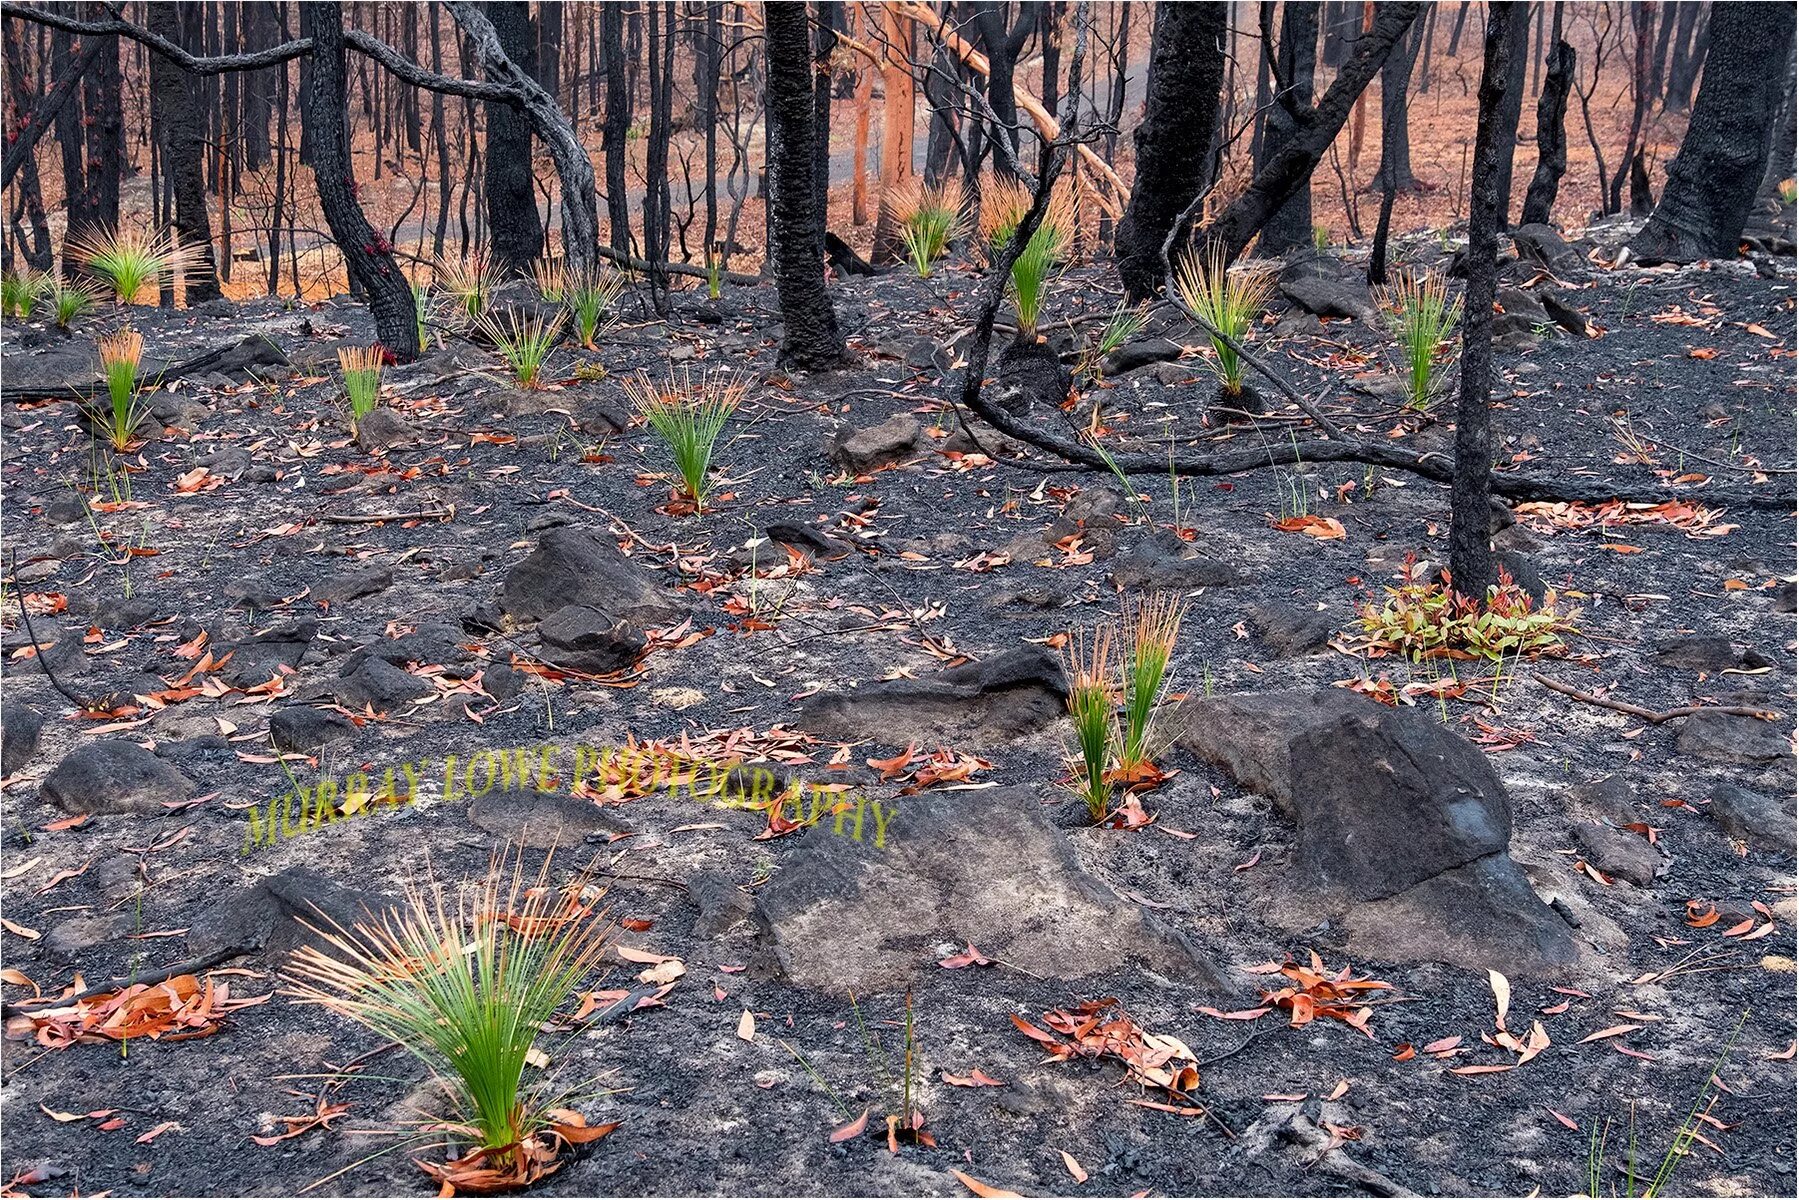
[
  {"x": 1295, "y": 66},
  {"x": 1395, "y": 170},
  {"x": 1470, "y": 547},
  {"x": 515, "y": 234},
  {"x": 1711, "y": 184},
  {"x": 1186, "y": 71},
  {"x": 367, "y": 254},
  {"x": 811, "y": 338},
  {"x": 1552, "y": 134},
  {"x": 175, "y": 95}
]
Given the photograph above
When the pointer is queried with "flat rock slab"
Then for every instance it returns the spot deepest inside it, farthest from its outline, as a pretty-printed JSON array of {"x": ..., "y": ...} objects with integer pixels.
[
  {"x": 572, "y": 565},
  {"x": 281, "y": 913},
  {"x": 949, "y": 869},
  {"x": 1741, "y": 741},
  {"x": 990, "y": 702},
  {"x": 114, "y": 776},
  {"x": 20, "y": 725},
  {"x": 1764, "y": 822},
  {"x": 539, "y": 820},
  {"x": 1403, "y": 826}
]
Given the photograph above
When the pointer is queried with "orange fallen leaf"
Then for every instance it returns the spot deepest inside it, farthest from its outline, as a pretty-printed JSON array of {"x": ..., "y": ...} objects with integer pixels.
[
  {"x": 1608, "y": 1032},
  {"x": 981, "y": 1189},
  {"x": 1074, "y": 1168}
]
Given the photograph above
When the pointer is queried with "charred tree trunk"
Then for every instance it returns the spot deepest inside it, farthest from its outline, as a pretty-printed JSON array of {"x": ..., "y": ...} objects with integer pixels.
[
  {"x": 1002, "y": 49},
  {"x": 1292, "y": 167},
  {"x": 811, "y": 339},
  {"x": 1470, "y": 515},
  {"x": 104, "y": 101},
  {"x": 69, "y": 139},
  {"x": 514, "y": 232},
  {"x": 175, "y": 95},
  {"x": 1552, "y": 130},
  {"x": 824, "y": 44},
  {"x": 1689, "y": 53},
  {"x": 657, "y": 202},
  {"x": 1395, "y": 170},
  {"x": 1186, "y": 70},
  {"x": 1295, "y": 66},
  {"x": 256, "y": 23},
  {"x": 618, "y": 125},
  {"x": 1712, "y": 181},
  {"x": 1782, "y": 151},
  {"x": 367, "y": 254},
  {"x": 1510, "y": 109}
]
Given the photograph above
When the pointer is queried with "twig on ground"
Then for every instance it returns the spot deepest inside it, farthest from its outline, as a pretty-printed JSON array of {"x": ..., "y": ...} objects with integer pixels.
[{"x": 1649, "y": 714}]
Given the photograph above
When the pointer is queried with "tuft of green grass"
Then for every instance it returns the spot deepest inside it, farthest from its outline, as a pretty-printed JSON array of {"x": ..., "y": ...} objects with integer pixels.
[
  {"x": 421, "y": 312},
  {"x": 1124, "y": 324},
  {"x": 929, "y": 219},
  {"x": 469, "y": 283},
  {"x": 551, "y": 278},
  {"x": 688, "y": 416},
  {"x": 1093, "y": 706},
  {"x": 523, "y": 341},
  {"x": 466, "y": 986},
  {"x": 1321, "y": 238},
  {"x": 20, "y": 292},
  {"x": 592, "y": 301},
  {"x": 362, "y": 379},
  {"x": 121, "y": 354},
  {"x": 1154, "y": 626},
  {"x": 129, "y": 260},
  {"x": 1228, "y": 301},
  {"x": 1423, "y": 317},
  {"x": 1005, "y": 202},
  {"x": 69, "y": 301}
]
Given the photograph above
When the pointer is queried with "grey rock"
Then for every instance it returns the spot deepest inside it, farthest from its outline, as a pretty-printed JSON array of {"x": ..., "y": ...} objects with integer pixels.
[
  {"x": 378, "y": 685},
  {"x": 1562, "y": 311},
  {"x": 502, "y": 682},
  {"x": 540, "y": 820},
  {"x": 846, "y": 915},
  {"x": 572, "y": 565},
  {"x": 114, "y": 776},
  {"x": 384, "y": 429},
  {"x": 258, "y": 658},
  {"x": 1523, "y": 572},
  {"x": 229, "y": 463},
  {"x": 1096, "y": 502},
  {"x": 1517, "y": 300},
  {"x": 283, "y": 912},
  {"x": 1742, "y": 741},
  {"x": 893, "y": 440},
  {"x": 1163, "y": 562},
  {"x": 583, "y": 638},
  {"x": 72, "y": 937},
  {"x": 1327, "y": 287},
  {"x": 1542, "y": 245},
  {"x": 1134, "y": 356},
  {"x": 1764, "y": 822},
  {"x": 1291, "y": 631},
  {"x": 984, "y": 703},
  {"x": 722, "y": 903},
  {"x": 1707, "y": 653},
  {"x": 20, "y": 725},
  {"x": 1484, "y": 916},
  {"x": 353, "y": 585},
  {"x": 299, "y": 728},
  {"x": 1619, "y": 853}
]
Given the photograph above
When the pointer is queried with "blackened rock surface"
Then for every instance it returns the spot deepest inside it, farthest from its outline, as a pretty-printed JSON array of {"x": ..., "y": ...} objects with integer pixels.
[
  {"x": 1327, "y": 287},
  {"x": 843, "y": 915},
  {"x": 20, "y": 725},
  {"x": 572, "y": 565},
  {"x": 893, "y": 440},
  {"x": 378, "y": 685},
  {"x": 1030, "y": 375},
  {"x": 281, "y": 913},
  {"x": 1764, "y": 822},
  {"x": 1291, "y": 631},
  {"x": 540, "y": 820},
  {"x": 353, "y": 585},
  {"x": 300, "y": 727},
  {"x": 114, "y": 776},
  {"x": 583, "y": 638},
  {"x": 1484, "y": 916},
  {"x": 1619, "y": 853},
  {"x": 983, "y": 703},
  {"x": 1741, "y": 741},
  {"x": 1163, "y": 562}
]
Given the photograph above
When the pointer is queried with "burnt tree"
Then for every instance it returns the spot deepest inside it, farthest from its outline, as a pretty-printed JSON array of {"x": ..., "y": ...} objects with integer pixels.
[
  {"x": 617, "y": 127},
  {"x": 1470, "y": 515},
  {"x": 1395, "y": 171},
  {"x": 1294, "y": 67},
  {"x": 1712, "y": 181},
  {"x": 811, "y": 338},
  {"x": 515, "y": 233},
  {"x": 1552, "y": 130},
  {"x": 1511, "y": 107},
  {"x": 1186, "y": 71},
  {"x": 175, "y": 103}
]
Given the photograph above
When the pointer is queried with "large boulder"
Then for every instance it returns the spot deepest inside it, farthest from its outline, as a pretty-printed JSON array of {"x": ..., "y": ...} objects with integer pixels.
[
  {"x": 20, "y": 725},
  {"x": 977, "y": 704},
  {"x": 572, "y": 565},
  {"x": 1403, "y": 826},
  {"x": 1327, "y": 287},
  {"x": 114, "y": 776},
  {"x": 892, "y": 441},
  {"x": 945, "y": 870}
]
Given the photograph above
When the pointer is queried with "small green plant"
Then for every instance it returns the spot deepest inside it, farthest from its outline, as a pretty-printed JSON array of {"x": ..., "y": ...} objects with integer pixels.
[
  {"x": 1093, "y": 707},
  {"x": 129, "y": 260},
  {"x": 121, "y": 354},
  {"x": 1227, "y": 302},
  {"x": 1005, "y": 203},
  {"x": 421, "y": 312},
  {"x": 592, "y": 301},
  {"x": 469, "y": 283},
  {"x": 69, "y": 301},
  {"x": 1154, "y": 625},
  {"x": 715, "y": 274},
  {"x": 1789, "y": 191},
  {"x": 551, "y": 278},
  {"x": 688, "y": 416},
  {"x": 1321, "y": 238},
  {"x": 466, "y": 986},
  {"x": 904, "y": 1119},
  {"x": 929, "y": 219},
  {"x": 362, "y": 380},
  {"x": 20, "y": 292},
  {"x": 1423, "y": 317},
  {"x": 523, "y": 341},
  {"x": 1428, "y": 619},
  {"x": 1124, "y": 324}
]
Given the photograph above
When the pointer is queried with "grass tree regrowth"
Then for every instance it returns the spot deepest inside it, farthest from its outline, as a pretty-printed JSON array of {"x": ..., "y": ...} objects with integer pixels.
[{"x": 688, "y": 414}]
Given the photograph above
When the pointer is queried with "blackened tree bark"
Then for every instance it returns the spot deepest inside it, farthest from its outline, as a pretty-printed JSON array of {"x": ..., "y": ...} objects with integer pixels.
[
  {"x": 1689, "y": 53},
  {"x": 1395, "y": 169},
  {"x": 1294, "y": 69},
  {"x": 1186, "y": 71},
  {"x": 618, "y": 125},
  {"x": 1002, "y": 49},
  {"x": 103, "y": 100},
  {"x": 70, "y": 141},
  {"x": 1470, "y": 517},
  {"x": 549, "y": 48},
  {"x": 1552, "y": 130},
  {"x": 256, "y": 30},
  {"x": 1511, "y": 108},
  {"x": 1642, "y": 16},
  {"x": 1712, "y": 181},
  {"x": 515, "y": 233},
  {"x": 1291, "y": 168},
  {"x": 824, "y": 44},
  {"x": 25, "y": 125},
  {"x": 811, "y": 339},
  {"x": 367, "y": 254},
  {"x": 175, "y": 95},
  {"x": 657, "y": 202},
  {"x": 1782, "y": 150}
]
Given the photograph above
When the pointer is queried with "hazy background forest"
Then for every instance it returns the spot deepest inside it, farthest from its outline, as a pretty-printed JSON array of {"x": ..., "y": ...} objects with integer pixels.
[{"x": 659, "y": 73}]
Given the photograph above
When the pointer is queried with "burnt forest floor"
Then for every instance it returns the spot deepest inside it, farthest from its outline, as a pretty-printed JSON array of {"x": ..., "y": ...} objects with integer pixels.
[{"x": 1698, "y": 362}]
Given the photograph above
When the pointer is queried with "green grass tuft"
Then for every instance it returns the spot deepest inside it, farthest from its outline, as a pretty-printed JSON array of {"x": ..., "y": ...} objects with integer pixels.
[
  {"x": 1423, "y": 318},
  {"x": 688, "y": 416},
  {"x": 1228, "y": 301},
  {"x": 523, "y": 341}
]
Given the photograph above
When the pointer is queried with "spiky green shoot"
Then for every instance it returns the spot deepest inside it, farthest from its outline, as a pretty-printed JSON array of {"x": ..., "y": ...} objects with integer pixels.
[
  {"x": 551, "y": 278},
  {"x": 20, "y": 292},
  {"x": 592, "y": 301},
  {"x": 1124, "y": 324},
  {"x": 1423, "y": 318},
  {"x": 465, "y": 986},
  {"x": 421, "y": 312},
  {"x": 469, "y": 283},
  {"x": 69, "y": 301},
  {"x": 688, "y": 415},
  {"x": 1154, "y": 626},
  {"x": 1032, "y": 270},
  {"x": 523, "y": 341},
  {"x": 715, "y": 274},
  {"x": 1093, "y": 706},
  {"x": 1226, "y": 302},
  {"x": 120, "y": 355},
  {"x": 929, "y": 219},
  {"x": 362, "y": 380},
  {"x": 129, "y": 260}
]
